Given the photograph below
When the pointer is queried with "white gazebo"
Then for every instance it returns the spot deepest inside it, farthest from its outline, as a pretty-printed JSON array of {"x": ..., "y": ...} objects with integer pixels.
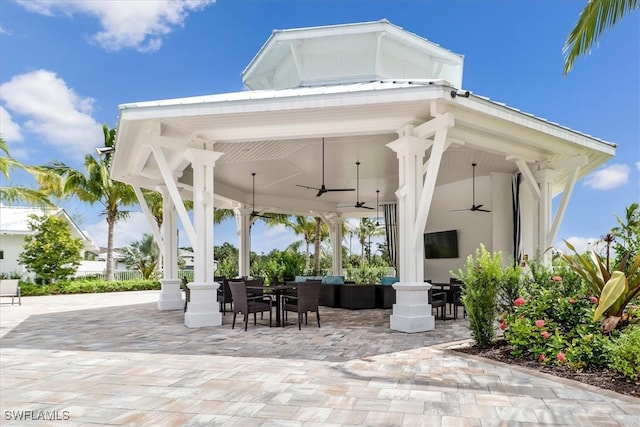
[{"x": 370, "y": 93}]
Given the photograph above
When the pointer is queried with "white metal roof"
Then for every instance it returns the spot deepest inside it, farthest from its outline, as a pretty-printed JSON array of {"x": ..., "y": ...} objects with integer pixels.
[
  {"x": 277, "y": 133},
  {"x": 348, "y": 53}
]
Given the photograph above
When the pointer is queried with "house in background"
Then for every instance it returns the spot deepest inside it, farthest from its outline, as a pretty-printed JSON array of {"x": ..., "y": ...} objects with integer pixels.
[
  {"x": 96, "y": 263},
  {"x": 14, "y": 227}
]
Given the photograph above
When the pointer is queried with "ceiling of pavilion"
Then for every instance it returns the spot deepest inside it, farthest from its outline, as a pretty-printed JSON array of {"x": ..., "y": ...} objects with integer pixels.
[{"x": 282, "y": 165}]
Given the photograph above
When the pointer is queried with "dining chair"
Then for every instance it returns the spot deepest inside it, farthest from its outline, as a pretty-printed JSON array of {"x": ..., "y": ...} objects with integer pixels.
[
  {"x": 307, "y": 300},
  {"x": 438, "y": 300},
  {"x": 457, "y": 302},
  {"x": 242, "y": 303},
  {"x": 224, "y": 294}
]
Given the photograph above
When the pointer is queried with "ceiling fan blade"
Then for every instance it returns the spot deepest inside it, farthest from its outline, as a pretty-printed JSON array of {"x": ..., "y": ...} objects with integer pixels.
[
  {"x": 321, "y": 191},
  {"x": 459, "y": 210},
  {"x": 258, "y": 214},
  {"x": 361, "y": 205},
  {"x": 483, "y": 210},
  {"x": 307, "y": 187}
]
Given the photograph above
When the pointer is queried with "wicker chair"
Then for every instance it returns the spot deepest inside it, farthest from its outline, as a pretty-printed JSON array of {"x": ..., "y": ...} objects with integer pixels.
[
  {"x": 224, "y": 294},
  {"x": 438, "y": 300},
  {"x": 307, "y": 300},
  {"x": 242, "y": 303}
]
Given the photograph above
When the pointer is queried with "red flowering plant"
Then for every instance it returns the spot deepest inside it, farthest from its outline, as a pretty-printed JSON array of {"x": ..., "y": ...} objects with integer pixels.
[{"x": 555, "y": 318}]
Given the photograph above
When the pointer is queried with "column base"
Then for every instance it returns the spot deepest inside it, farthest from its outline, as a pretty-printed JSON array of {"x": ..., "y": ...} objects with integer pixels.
[
  {"x": 202, "y": 309},
  {"x": 170, "y": 295},
  {"x": 412, "y": 311}
]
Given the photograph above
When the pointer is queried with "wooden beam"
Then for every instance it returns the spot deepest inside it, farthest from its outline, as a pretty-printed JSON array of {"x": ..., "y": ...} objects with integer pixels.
[{"x": 175, "y": 194}]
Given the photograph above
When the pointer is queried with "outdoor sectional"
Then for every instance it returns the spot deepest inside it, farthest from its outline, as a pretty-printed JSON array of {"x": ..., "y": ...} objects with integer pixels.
[{"x": 356, "y": 297}]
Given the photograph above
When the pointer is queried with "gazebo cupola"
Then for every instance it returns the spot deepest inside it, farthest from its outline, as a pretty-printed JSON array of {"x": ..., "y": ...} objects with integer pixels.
[{"x": 343, "y": 54}]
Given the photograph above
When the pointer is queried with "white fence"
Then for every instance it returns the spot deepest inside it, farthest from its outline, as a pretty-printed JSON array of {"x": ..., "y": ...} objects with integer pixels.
[{"x": 128, "y": 274}]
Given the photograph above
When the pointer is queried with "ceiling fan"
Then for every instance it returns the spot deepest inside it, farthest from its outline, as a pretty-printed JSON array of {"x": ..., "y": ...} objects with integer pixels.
[
  {"x": 254, "y": 212},
  {"x": 359, "y": 204},
  {"x": 474, "y": 207},
  {"x": 323, "y": 189}
]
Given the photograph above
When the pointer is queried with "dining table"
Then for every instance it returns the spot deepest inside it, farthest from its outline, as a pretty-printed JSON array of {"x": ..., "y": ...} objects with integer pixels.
[{"x": 276, "y": 290}]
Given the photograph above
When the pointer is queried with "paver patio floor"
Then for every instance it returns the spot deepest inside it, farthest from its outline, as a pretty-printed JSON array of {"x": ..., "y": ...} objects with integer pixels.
[{"x": 114, "y": 359}]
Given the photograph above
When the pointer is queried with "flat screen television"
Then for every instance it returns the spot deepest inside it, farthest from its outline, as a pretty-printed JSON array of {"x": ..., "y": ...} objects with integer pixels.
[{"x": 441, "y": 244}]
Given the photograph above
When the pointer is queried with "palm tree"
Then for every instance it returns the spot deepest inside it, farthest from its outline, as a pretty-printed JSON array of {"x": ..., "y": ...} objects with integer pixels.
[
  {"x": 302, "y": 226},
  {"x": 596, "y": 17},
  {"x": 143, "y": 255},
  {"x": 367, "y": 229},
  {"x": 19, "y": 193},
  {"x": 320, "y": 235},
  {"x": 92, "y": 185}
]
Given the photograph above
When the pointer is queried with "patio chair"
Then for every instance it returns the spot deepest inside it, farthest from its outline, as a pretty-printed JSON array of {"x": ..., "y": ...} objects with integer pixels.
[
  {"x": 224, "y": 294},
  {"x": 438, "y": 300},
  {"x": 306, "y": 300},
  {"x": 242, "y": 303},
  {"x": 457, "y": 302},
  {"x": 187, "y": 292},
  {"x": 11, "y": 288}
]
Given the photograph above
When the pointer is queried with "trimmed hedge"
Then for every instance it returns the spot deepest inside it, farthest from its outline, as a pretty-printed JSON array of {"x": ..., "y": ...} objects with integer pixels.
[{"x": 87, "y": 286}]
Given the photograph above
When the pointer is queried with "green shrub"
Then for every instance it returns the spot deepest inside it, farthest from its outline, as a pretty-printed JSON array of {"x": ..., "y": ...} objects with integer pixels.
[
  {"x": 510, "y": 288},
  {"x": 482, "y": 277},
  {"x": 624, "y": 353},
  {"x": 87, "y": 286},
  {"x": 366, "y": 274}
]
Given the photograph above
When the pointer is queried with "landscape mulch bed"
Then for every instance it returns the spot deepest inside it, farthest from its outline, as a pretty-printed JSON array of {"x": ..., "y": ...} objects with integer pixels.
[{"x": 601, "y": 377}]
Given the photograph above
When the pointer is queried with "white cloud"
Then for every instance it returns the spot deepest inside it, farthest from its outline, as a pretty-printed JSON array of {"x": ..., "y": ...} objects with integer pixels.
[
  {"x": 638, "y": 165},
  {"x": 4, "y": 32},
  {"x": 53, "y": 111},
  {"x": 9, "y": 129},
  {"x": 125, "y": 231},
  {"x": 275, "y": 231},
  {"x": 608, "y": 178},
  {"x": 140, "y": 25},
  {"x": 582, "y": 244}
]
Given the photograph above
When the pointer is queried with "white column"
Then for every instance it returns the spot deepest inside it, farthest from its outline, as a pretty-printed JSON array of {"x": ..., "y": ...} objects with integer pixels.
[
  {"x": 335, "y": 223},
  {"x": 544, "y": 178},
  {"x": 202, "y": 309},
  {"x": 243, "y": 222},
  {"x": 170, "y": 294},
  {"x": 412, "y": 311}
]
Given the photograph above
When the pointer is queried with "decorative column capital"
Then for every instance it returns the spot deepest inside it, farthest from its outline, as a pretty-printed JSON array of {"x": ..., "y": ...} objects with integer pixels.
[{"x": 200, "y": 157}]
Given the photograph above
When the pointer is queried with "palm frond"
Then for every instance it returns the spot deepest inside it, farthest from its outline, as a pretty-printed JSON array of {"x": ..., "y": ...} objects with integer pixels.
[
  {"x": 594, "y": 19},
  {"x": 26, "y": 195}
]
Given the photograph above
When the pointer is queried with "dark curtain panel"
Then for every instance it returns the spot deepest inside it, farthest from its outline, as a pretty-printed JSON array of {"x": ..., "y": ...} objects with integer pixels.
[
  {"x": 391, "y": 227},
  {"x": 515, "y": 200}
]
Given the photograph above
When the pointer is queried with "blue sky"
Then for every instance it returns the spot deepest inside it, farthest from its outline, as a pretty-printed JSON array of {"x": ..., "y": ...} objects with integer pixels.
[{"x": 65, "y": 66}]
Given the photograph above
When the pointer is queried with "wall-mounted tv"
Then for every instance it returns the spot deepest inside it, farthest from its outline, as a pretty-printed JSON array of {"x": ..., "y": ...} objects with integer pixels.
[{"x": 441, "y": 244}]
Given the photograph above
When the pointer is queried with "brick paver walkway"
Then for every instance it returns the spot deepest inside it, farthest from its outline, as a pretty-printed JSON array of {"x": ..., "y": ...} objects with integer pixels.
[{"x": 114, "y": 359}]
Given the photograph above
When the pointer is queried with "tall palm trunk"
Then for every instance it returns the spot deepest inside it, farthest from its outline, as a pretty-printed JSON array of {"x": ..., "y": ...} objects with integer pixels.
[
  {"x": 111, "y": 221},
  {"x": 306, "y": 257}
]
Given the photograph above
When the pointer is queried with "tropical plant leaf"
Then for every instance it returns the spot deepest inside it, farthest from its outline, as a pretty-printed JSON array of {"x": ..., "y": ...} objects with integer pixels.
[
  {"x": 612, "y": 290},
  {"x": 595, "y": 18}
]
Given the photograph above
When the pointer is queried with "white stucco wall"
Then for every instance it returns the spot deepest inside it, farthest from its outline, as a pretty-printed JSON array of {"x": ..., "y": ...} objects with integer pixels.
[
  {"x": 494, "y": 229},
  {"x": 11, "y": 245}
]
